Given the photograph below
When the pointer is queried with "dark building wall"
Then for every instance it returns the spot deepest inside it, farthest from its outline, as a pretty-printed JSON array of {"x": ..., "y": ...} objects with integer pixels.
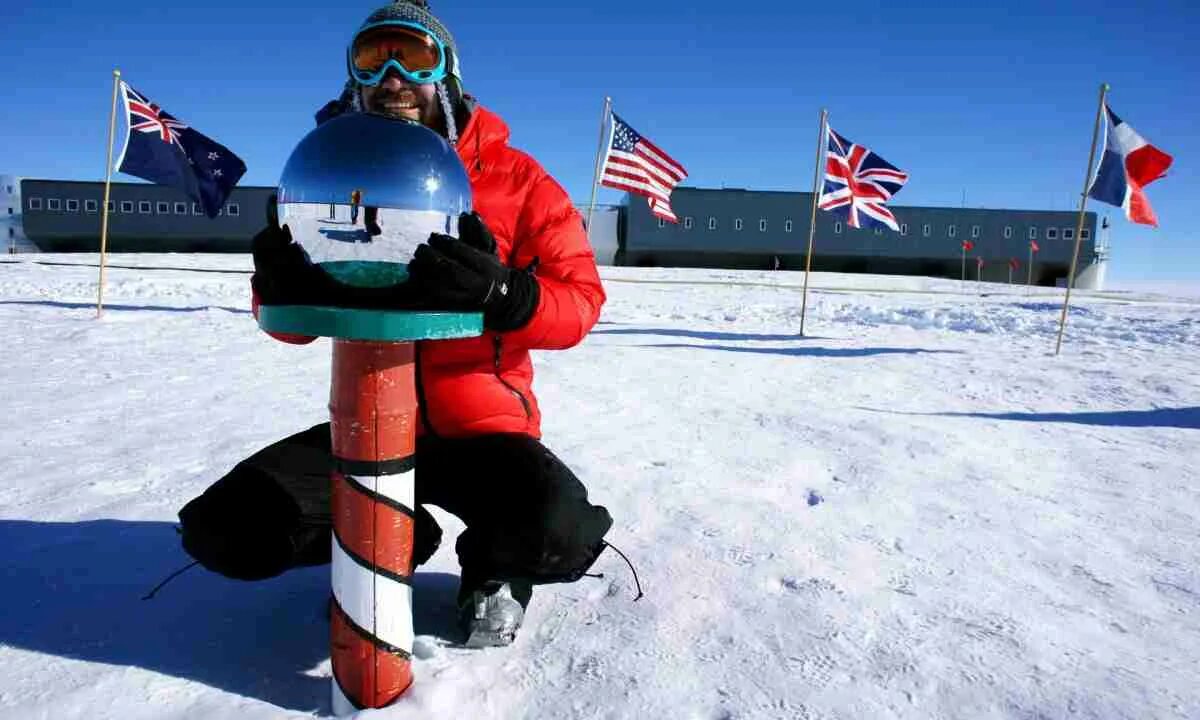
[
  {"x": 75, "y": 225},
  {"x": 916, "y": 250}
]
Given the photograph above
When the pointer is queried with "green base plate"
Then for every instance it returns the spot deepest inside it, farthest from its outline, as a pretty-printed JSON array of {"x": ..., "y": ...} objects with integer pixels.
[{"x": 379, "y": 325}]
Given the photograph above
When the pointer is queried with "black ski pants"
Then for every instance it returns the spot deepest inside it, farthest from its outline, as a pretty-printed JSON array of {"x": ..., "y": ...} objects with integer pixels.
[{"x": 528, "y": 518}]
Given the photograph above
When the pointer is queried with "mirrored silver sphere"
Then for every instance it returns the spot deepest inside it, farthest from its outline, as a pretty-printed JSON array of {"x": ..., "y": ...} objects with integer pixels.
[{"x": 362, "y": 191}]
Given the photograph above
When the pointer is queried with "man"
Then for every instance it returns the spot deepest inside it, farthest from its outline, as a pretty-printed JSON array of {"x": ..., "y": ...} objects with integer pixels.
[
  {"x": 355, "y": 199},
  {"x": 523, "y": 260}
]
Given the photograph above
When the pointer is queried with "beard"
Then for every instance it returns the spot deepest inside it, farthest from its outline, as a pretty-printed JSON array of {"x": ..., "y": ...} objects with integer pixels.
[{"x": 402, "y": 104}]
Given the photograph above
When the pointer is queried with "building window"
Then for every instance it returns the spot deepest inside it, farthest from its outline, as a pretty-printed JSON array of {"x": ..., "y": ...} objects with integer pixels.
[
  {"x": 196, "y": 209},
  {"x": 35, "y": 203},
  {"x": 10, "y": 212},
  {"x": 127, "y": 206},
  {"x": 1007, "y": 231},
  {"x": 975, "y": 231},
  {"x": 762, "y": 225},
  {"x": 878, "y": 229},
  {"x": 662, "y": 222},
  {"x": 712, "y": 223},
  {"x": 72, "y": 205},
  {"x": 952, "y": 231},
  {"x": 903, "y": 228},
  {"x": 687, "y": 223},
  {"x": 737, "y": 223},
  {"x": 91, "y": 206},
  {"x": 1085, "y": 234},
  {"x": 1068, "y": 233},
  {"x": 1051, "y": 233},
  {"x": 837, "y": 228},
  {"x": 11, "y": 232},
  {"x": 112, "y": 207},
  {"x": 164, "y": 208},
  {"x": 181, "y": 208},
  {"x": 53, "y": 204},
  {"x": 1033, "y": 232},
  {"x": 144, "y": 207},
  {"x": 926, "y": 229},
  {"x": 8, "y": 189},
  {"x": 787, "y": 225}
]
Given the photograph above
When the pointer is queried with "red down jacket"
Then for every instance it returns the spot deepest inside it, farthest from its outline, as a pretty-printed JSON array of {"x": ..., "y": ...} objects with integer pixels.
[{"x": 484, "y": 385}]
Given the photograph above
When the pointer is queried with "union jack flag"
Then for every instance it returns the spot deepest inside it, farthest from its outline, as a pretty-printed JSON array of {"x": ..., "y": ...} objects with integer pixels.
[
  {"x": 165, "y": 151},
  {"x": 858, "y": 183},
  {"x": 145, "y": 116},
  {"x": 636, "y": 165}
]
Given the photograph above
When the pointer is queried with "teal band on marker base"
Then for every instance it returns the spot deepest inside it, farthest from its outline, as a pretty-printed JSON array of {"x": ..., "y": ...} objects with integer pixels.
[{"x": 378, "y": 325}]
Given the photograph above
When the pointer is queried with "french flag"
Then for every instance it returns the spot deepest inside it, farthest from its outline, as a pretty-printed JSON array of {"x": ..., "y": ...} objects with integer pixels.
[{"x": 1128, "y": 164}]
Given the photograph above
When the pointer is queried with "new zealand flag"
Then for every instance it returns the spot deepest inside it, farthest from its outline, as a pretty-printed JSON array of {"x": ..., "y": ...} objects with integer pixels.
[{"x": 165, "y": 151}]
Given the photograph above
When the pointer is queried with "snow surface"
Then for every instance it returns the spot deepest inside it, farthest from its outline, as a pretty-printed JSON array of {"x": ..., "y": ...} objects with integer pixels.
[{"x": 915, "y": 512}]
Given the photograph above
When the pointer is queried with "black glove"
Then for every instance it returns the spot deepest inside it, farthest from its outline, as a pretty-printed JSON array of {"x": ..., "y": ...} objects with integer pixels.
[
  {"x": 284, "y": 275},
  {"x": 465, "y": 274}
]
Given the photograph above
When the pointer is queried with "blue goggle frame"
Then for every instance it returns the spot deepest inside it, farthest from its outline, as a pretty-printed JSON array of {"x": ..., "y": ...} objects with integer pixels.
[{"x": 421, "y": 77}]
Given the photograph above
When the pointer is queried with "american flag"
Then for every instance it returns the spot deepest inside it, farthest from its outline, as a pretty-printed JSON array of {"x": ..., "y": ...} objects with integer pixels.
[
  {"x": 858, "y": 183},
  {"x": 634, "y": 164}
]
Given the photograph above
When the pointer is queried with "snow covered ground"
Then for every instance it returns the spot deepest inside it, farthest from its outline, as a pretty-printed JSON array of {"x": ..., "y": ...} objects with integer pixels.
[{"x": 915, "y": 512}]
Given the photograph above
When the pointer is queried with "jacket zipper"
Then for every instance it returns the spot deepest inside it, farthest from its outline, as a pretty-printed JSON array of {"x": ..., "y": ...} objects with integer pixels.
[
  {"x": 496, "y": 344},
  {"x": 422, "y": 406}
]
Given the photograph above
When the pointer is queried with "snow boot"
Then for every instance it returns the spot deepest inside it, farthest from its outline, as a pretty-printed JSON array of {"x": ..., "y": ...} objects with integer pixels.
[{"x": 491, "y": 616}]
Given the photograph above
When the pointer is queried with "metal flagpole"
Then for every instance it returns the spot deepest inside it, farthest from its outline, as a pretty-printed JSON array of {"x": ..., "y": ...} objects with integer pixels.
[
  {"x": 596, "y": 170},
  {"x": 812, "y": 225},
  {"x": 1087, "y": 180},
  {"x": 1029, "y": 271},
  {"x": 112, "y": 128}
]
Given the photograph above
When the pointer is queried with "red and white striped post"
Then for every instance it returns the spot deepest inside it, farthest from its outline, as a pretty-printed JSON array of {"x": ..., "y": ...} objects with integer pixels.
[
  {"x": 417, "y": 183},
  {"x": 373, "y": 413}
]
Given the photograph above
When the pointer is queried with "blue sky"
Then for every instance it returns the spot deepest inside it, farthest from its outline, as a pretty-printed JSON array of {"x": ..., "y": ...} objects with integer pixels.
[{"x": 996, "y": 100}]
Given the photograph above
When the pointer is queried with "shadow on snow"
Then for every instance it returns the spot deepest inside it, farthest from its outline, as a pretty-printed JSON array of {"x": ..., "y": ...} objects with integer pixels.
[
  {"x": 1187, "y": 418},
  {"x": 803, "y": 351},
  {"x": 75, "y": 590},
  {"x": 119, "y": 307}
]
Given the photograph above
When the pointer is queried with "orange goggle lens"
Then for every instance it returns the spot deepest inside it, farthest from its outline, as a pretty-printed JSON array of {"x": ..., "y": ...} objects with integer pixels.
[{"x": 415, "y": 50}]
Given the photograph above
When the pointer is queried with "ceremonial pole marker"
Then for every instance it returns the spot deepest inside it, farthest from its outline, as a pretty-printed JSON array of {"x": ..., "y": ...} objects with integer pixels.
[{"x": 373, "y": 421}]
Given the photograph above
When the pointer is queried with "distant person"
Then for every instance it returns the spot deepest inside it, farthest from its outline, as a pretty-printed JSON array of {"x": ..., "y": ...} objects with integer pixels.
[
  {"x": 355, "y": 199},
  {"x": 524, "y": 261}
]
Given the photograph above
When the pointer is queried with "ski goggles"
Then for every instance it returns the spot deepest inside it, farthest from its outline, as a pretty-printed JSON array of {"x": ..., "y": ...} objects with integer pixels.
[{"x": 411, "y": 49}]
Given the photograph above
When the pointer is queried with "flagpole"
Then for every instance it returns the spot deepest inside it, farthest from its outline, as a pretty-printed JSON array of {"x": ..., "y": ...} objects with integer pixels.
[
  {"x": 112, "y": 128},
  {"x": 1029, "y": 270},
  {"x": 596, "y": 169},
  {"x": 1087, "y": 181},
  {"x": 812, "y": 224}
]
